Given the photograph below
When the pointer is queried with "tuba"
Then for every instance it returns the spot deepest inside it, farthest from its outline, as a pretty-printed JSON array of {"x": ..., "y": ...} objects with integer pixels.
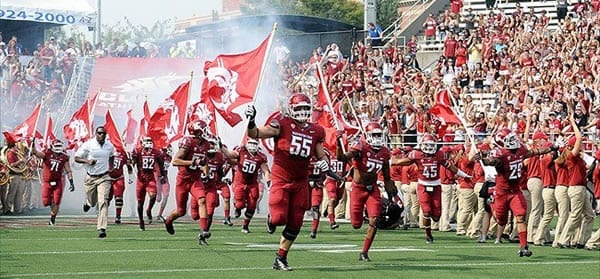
[
  {"x": 21, "y": 153},
  {"x": 4, "y": 175}
]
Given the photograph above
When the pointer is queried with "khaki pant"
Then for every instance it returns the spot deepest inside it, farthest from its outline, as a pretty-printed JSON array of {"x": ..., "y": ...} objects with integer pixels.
[
  {"x": 343, "y": 207},
  {"x": 408, "y": 217},
  {"x": 594, "y": 241},
  {"x": 467, "y": 203},
  {"x": 543, "y": 229},
  {"x": 563, "y": 205},
  {"x": 534, "y": 185},
  {"x": 477, "y": 219},
  {"x": 581, "y": 217},
  {"x": 447, "y": 195},
  {"x": 14, "y": 196},
  {"x": 415, "y": 208},
  {"x": 97, "y": 190}
]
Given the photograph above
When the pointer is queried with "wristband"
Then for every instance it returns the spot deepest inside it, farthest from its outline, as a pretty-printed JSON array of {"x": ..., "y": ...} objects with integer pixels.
[{"x": 251, "y": 124}]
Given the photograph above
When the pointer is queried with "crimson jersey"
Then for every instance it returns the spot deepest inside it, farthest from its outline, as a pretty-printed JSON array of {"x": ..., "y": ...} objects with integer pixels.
[
  {"x": 215, "y": 164},
  {"x": 510, "y": 170},
  {"x": 428, "y": 166},
  {"x": 118, "y": 163},
  {"x": 247, "y": 166},
  {"x": 338, "y": 167},
  {"x": 195, "y": 151},
  {"x": 53, "y": 166},
  {"x": 294, "y": 147},
  {"x": 370, "y": 161},
  {"x": 146, "y": 161}
]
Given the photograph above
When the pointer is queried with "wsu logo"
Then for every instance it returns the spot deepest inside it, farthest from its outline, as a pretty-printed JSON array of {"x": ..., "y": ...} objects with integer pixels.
[
  {"x": 171, "y": 126},
  {"x": 224, "y": 80},
  {"x": 79, "y": 129},
  {"x": 201, "y": 112}
]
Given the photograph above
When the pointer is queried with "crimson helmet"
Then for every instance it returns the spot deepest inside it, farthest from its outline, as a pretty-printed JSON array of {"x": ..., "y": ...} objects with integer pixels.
[
  {"x": 511, "y": 141},
  {"x": 300, "y": 107},
  {"x": 374, "y": 134},
  {"x": 429, "y": 144},
  {"x": 252, "y": 145},
  {"x": 500, "y": 135},
  {"x": 198, "y": 128},
  {"x": 57, "y": 146},
  {"x": 146, "y": 142}
]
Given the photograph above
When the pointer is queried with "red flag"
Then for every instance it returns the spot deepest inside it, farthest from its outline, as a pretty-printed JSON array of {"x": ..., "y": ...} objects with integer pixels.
[
  {"x": 146, "y": 111},
  {"x": 443, "y": 97},
  {"x": 326, "y": 117},
  {"x": 49, "y": 136},
  {"x": 166, "y": 124},
  {"x": 129, "y": 133},
  {"x": 445, "y": 114},
  {"x": 112, "y": 133},
  {"x": 27, "y": 128},
  {"x": 232, "y": 80},
  {"x": 204, "y": 112},
  {"x": 78, "y": 129}
]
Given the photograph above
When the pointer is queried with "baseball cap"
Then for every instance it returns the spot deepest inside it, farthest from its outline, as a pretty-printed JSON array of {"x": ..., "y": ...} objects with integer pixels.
[{"x": 540, "y": 135}]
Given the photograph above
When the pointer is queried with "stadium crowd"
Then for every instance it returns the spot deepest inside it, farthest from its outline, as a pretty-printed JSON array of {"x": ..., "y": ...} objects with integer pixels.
[{"x": 545, "y": 84}]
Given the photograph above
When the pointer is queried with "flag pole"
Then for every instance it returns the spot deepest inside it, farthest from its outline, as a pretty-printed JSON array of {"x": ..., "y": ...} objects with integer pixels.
[
  {"x": 117, "y": 128},
  {"x": 265, "y": 61},
  {"x": 92, "y": 110},
  {"x": 187, "y": 109},
  {"x": 325, "y": 86}
]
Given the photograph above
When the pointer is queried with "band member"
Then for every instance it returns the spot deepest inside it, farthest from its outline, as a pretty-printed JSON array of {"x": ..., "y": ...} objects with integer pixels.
[
  {"x": 369, "y": 156},
  {"x": 247, "y": 163},
  {"x": 191, "y": 162},
  {"x": 145, "y": 159},
  {"x": 54, "y": 164},
  {"x": 296, "y": 142},
  {"x": 162, "y": 191},
  {"x": 429, "y": 160},
  {"x": 118, "y": 181}
]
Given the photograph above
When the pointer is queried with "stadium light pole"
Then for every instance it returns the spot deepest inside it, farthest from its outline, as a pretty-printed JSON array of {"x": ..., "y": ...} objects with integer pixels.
[{"x": 97, "y": 30}]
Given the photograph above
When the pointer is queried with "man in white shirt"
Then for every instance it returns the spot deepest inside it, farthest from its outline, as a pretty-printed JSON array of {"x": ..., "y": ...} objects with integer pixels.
[{"x": 97, "y": 157}]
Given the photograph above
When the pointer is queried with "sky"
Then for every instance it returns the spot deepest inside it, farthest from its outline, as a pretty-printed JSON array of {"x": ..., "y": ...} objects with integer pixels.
[{"x": 147, "y": 12}]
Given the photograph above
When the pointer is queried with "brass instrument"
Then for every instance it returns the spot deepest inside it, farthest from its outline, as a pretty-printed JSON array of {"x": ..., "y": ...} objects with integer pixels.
[
  {"x": 21, "y": 149},
  {"x": 4, "y": 175}
]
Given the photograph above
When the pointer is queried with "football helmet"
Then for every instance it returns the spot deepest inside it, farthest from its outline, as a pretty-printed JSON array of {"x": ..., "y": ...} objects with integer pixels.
[
  {"x": 511, "y": 141},
  {"x": 300, "y": 107},
  {"x": 252, "y": 146},
  {"x": 198, "y": 128},
  {"x": 374, "y": 135},
  {"x": 57, "y": 146},
  {"x": 147, "y": 142},
  {"x": 429, "y": 144},
  {"x": 500, "y": 135}
]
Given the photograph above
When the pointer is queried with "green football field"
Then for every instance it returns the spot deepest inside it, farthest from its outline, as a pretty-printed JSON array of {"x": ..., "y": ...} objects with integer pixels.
[{"x": 31, "y": 249}]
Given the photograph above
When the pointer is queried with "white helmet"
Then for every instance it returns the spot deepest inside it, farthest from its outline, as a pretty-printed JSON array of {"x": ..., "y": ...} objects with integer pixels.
[
  {"x": 252, "y": 146},
  {"x": 147, "y": 143},
  {"x": 57, "y": 146},
  {"x": 375, "y": 135},
  {"x": 300, "y": 107},
  {"x": 429, "y": 144},
  {"x": 511, "y": 141}
]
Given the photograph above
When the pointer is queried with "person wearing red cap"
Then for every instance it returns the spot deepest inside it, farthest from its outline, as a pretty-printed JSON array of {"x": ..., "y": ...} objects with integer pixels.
[
  {"x": 478, "y": 180},
  {"x": 563, "y": 205},
  {"x": 534, "y": 186},
  {"x": 467, "y": 198},
  {"x": 581, "y": 215},
  {"x": 548, "y": 173},
  {"x": 449, "y": 204}
]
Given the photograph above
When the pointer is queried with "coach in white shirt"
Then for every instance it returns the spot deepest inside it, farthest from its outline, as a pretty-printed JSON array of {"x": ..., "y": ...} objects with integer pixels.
[{"x": 97, "y": 155}]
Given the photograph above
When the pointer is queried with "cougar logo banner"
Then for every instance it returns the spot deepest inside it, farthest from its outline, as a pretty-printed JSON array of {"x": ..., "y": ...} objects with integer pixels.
[
  {"x": 78, "y": 129},
  {"x": 166, "y": 124},
  {"x": 232, "y": 79},
  {"x": 204, "y": 112},
  {"x": 27, "y": 128}
]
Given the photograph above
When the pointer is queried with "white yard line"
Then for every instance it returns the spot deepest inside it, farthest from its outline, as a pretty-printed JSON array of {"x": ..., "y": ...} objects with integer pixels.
[{"x": 363, "y": 267}]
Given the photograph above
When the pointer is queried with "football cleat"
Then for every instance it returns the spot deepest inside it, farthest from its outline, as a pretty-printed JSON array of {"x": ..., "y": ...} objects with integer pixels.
[
  {"x": 228, "y": 222},
  {"x": 238, "y": 213},
  {"x": 281, "y": 264},
  {"x": 429, "y": 240},
  {"x": 524, "y": 252},
  {"x": 52, "y": 222},
  {"x": 245, "y": 230},
  {"x": 498, "y": 241},
  {"x": 334, "y": 226},
  {"x": 169, "y": 226},
  {"x": 117, "y": 220},
  {"x": 149, "y": 214},
  {"x": 313, "y": 235},
  {"x": 364, "y": 257},
  {"x": 86, "y": 207},
  {"x": 481, "y": 239},
  {"x": 270, "y": 227},
  {"x": 202, "y": 237},
  {"x": 142, "y": 225}
]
